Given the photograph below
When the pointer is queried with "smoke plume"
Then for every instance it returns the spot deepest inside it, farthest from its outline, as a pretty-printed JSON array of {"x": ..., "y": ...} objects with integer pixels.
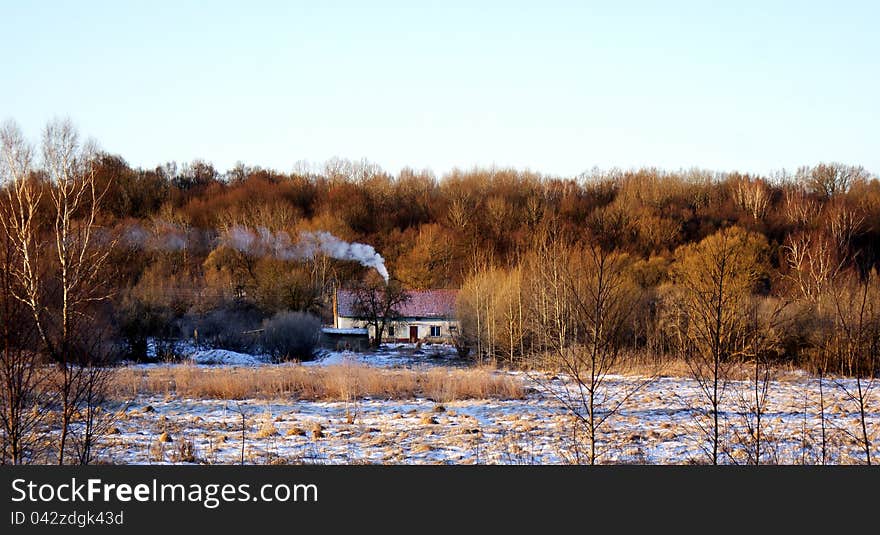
[
  {"x": 164, "y": 236},
  {"x": 264, "y": 242},
  {"x": 260, "y": 242}
]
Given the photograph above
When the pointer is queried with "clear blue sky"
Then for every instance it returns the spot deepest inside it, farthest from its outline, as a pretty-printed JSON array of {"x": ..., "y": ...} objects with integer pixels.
[{"x": 556, "y": 87}]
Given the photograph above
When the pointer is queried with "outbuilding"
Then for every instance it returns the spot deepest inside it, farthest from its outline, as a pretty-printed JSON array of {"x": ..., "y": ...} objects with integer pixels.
[{"x": 339, "y": 339}]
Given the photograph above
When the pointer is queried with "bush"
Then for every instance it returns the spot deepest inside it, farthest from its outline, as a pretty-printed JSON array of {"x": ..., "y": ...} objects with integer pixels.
[
  {"x": 231, "y": 329},
  {"x": 140, "y": 321},
  {"x": 291, "y": 335}
]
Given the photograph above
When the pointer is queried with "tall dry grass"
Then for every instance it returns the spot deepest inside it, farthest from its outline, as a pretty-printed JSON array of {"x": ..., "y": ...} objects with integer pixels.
[
  {"x": 645, "y": 364},
  {"x": 344, "y": 382},
  {"x": 473, "y": 383}
]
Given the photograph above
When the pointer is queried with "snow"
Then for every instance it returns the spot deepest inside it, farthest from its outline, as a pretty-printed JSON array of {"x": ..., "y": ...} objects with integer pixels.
[
  {"x": 339, "y": 330},
  {"x": 333, "y": 358},
  {"x": 399, "y": 355},
  {"x": 406, "y": 355},
  {"x": 660, "y": 424},
  {"x": 226, "y": 357},
  {"x": 188, "y": 353},
  {"x": 664, "y": 421}
]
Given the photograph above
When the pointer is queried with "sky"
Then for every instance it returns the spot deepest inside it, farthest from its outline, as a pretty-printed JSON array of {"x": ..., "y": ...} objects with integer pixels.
[{"x": 553, "y": 87}]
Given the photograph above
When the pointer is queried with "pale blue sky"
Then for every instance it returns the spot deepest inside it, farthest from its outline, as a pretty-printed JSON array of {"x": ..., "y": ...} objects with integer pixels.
[{"x": 556, "y": 87}]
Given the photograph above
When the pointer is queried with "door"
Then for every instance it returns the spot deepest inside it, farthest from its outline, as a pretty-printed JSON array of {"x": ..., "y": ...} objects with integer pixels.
[{"x": 413, "y": 333}]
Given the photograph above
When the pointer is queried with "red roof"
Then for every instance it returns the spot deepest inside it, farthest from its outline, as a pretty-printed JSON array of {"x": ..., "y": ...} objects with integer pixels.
[{"x": 421, "y": 304}]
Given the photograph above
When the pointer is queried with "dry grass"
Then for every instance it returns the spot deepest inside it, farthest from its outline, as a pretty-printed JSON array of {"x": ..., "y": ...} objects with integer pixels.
[
  {"x": 332, "y": 383},
  {"x": 317, "y": 430},
  {"x": 267, "y": 429},
  {"x": 185, "y": 452},
  {"x": 643, "y": 364},
  {"x": 475, "y": 383}
]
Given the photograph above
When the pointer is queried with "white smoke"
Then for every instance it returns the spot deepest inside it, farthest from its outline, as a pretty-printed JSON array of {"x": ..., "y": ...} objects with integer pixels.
[
  {"x": 163, "y": 237},
  {"x": 260, "y": 242},
  {"x": 240, "y": 239},
  {"x": 135, "y": 236},
  {"x": 327, "y": 243},
  {"x": 264, "y": 242}
]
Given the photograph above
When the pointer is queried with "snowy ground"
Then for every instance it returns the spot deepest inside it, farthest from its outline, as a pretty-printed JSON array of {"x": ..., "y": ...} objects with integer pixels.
[
  {"x": 394, "y": 356},
  {"x": 388, "y": 356},
  {"x": 663, "y": 422}
]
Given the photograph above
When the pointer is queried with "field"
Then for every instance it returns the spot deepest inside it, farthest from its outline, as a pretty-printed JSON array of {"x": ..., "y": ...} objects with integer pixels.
[{"x": 406, "y": 406}]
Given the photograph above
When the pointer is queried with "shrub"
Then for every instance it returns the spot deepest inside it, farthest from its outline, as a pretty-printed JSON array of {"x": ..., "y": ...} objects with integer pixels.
[
  {"x": 291, "y": 335},
  {"x": 138, "y": 321},
  {"x": 230, "y": 329}
]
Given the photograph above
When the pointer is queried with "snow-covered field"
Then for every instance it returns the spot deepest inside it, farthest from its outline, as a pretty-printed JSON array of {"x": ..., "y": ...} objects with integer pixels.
[
  {"x": 389, "y": 355},
  {"x": 395, "y": 355},
  {"x": 663, "y": 422}
]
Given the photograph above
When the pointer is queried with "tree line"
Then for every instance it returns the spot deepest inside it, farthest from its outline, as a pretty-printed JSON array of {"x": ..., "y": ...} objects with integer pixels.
[
  {"x": 100, "y": 258},
  {"x": 152, "y": 238}
]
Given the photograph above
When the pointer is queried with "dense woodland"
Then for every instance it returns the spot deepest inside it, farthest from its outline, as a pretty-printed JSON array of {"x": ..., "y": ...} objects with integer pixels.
[
  {"x": 103, "y": 262},
  {"x": 160, "y": 266}
]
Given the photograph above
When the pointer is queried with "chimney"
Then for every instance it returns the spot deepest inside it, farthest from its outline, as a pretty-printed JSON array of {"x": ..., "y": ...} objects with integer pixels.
[{"x": 335, "y": 307}]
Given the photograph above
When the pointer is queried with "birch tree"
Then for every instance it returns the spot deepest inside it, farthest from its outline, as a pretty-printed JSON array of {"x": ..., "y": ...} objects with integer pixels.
[
  {"x": 61, "y": 260},
  {"x": 20, "y": 376}
]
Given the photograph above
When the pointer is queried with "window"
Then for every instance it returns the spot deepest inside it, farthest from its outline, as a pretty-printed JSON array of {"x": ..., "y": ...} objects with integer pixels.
[
  {"x": 391, "y": 330},
  {"x": 435, "y": 330}
]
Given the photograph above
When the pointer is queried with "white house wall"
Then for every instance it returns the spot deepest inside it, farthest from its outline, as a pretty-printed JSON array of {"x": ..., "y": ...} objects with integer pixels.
[{"x": 401, "y": 327}]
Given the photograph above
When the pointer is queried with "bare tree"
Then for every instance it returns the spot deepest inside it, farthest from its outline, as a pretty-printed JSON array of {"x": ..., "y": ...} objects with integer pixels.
[
  {"x": 761, "y": 342},
  {"x": 91, "y": 382},
  {"x": 240, "y": 409},
  {"x": 799, "y": 206},
  {"x": 60, "y": 266},
  {"x": 490, "y": 311},
  {"x": 844, "y": 225},
  {"x": 550, "y": 305},
  {"x": 716, "y": 278},
  {"x": 20, "y": 375},
  {"x": 752, "y": 196},
  {"x": 376, "y": 303},
  {"x": 830, "y": 179},
  {"x": 460, "y": 212},
  {"x": 601, "y": 302},
  {"x": 474, "y": 307},
  {"x": 822, "y": 372},
  {"x": 857, "y": 344},
  {"x": 813, "y": 264}
]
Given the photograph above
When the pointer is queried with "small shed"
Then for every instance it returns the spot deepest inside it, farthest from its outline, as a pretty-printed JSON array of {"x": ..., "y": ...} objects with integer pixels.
[{"x": 339, "y": 339}]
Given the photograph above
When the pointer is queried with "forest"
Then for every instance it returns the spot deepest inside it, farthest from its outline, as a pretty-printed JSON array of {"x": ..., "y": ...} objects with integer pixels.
[
  {"x": 143, "y": 253},
  {"x": 725, "y": 272}
]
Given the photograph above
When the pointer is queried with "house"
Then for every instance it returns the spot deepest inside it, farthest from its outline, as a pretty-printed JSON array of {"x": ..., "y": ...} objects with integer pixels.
[
  {"x": 354, "y": 339},
  {"x": 427, "y": 316}
]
